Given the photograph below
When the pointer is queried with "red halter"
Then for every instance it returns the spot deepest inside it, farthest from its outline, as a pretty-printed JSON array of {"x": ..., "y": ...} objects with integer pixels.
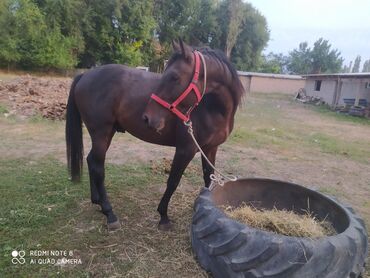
[{"x": 192, "y": 87}]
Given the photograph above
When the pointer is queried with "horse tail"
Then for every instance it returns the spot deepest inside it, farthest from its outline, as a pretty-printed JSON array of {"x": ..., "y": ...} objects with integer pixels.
[{"x": 74, "y": 135}]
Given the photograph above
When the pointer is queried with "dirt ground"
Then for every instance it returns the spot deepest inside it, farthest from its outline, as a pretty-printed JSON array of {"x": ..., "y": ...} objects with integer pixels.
[
  {"x": 274, "y": 137},
  {"x": 28, "y": 95}
]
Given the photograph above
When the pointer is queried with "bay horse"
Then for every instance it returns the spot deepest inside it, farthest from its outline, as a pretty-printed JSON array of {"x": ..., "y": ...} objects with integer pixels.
[{"x": 115, "y": 98}]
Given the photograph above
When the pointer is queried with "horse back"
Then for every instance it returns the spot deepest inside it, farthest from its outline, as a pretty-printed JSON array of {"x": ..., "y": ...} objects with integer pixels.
[{"x": 104, "y": 92}]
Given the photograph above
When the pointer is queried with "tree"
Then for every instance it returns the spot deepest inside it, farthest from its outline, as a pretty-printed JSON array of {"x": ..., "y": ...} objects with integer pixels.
[
  {"x": 251, "y": 40},
  {"x": 116, "y": 31},
  {"x": 39, "y": 45},
  {"x": 366, "y": 66},
  {"x": 320, "y": 59},
  {"x": 203, "y": 29},
  {"x": 273, "y": 63},
  {"x": 67, "y": 16},
  {"x": 231, "y": 25},
  {"x": 28, "y": 41},
  {"x": 356, "y": 64},
  {"x": 63, "y": 33},
  {"x": 300, "y": 59},
  {"x": 235, "y": 16},
  {"x": 347, "y": 69},
  {"x": 325, "y": 59},
  {"x": 174, "y": 18},
  {"x": 9, "y": 54}
]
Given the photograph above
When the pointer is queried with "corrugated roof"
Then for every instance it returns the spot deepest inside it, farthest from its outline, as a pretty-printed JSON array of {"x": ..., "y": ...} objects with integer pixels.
[
  {"x": 337, "y": 75},
  {"x": 270, "y": 75}
]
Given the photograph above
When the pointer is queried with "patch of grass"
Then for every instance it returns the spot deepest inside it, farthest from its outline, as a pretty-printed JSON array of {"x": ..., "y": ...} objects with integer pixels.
[
  {"x": 325, "y": 110},
  {"x": 36, "y": 199},
  {"x": 259, "y": 122},
  {"x": 366, "y": 204},
  {"x": 37, "y": 118},
  {"x": 330, "y": 191},
  {"x": 327, "y": 144},
  {"x": 334, "y": 145},
  {"x": 272, "y": 96},
  {"x": 35, "y": 196},
  {"x": 138, "y": 249},
  {"x": 43, "y": 210},
  {"x": 243, "y": 136},
  {"x": 264, "y": 123},
  {"x": 3, "y": 109},
  {"x": 276, "y": 137}
]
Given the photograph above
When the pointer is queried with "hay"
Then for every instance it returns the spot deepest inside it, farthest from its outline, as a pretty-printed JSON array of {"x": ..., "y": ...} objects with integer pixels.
[{"x": 282, "y": 222}]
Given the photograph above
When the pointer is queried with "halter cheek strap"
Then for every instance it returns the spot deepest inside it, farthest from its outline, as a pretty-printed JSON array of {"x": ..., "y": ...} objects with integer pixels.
[{"x": 191, "y": 88}]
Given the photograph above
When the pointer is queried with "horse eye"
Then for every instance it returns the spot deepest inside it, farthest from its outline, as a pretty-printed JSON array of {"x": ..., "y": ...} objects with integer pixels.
[{"x": 175, "y": 77}]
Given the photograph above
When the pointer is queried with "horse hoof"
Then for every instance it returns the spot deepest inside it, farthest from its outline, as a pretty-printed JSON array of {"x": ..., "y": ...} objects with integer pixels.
[
  {"x": 114, "y": 225},
  {"x": 165, "y": 227}
]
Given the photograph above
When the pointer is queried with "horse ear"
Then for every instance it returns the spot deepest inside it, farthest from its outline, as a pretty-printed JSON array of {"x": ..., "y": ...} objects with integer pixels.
[
  {"x": 185, "y": 49},
  {"x": 176, "y": 46}
]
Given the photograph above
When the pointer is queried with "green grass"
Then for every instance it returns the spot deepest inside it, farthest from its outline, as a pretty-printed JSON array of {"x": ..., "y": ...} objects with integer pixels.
[
  {"x": 264, "y": 122},
  {"x": 41, "y": 209},
  {"x": 27, "y": 191},
  {"x": 39, "y": 204},
  {"x": 333, "y": 145},
  {"x": 324, "y": 110},
  {"x": 272, "y": 96},
  {"x": 3, "y": 109}
]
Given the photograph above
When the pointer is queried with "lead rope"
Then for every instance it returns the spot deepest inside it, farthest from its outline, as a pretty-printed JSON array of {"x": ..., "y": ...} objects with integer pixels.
[{"x": 219, "y": 178}]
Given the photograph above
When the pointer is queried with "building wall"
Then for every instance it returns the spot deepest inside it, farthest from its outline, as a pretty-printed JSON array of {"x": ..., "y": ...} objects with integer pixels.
[
  {"x": 326, "y": 92},
  {"x": 246, "y": 81},
  {"x": 350, "y": 88},
  {"x": 276, "y": 85},
  {"x": 272, "y": 84}
]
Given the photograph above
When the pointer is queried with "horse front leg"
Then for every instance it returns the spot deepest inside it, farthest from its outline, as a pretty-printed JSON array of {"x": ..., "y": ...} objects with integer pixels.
[
  {"x": 207, "y": 169},
  {"x": 181, "y": 160}
]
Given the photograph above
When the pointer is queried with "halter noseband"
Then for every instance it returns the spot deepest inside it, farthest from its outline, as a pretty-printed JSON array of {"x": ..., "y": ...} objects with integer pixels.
[{"x": 191, "y": 87}]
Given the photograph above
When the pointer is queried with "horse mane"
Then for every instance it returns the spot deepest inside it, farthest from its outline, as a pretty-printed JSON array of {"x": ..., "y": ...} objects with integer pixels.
[{"x": 236, "y": 88}]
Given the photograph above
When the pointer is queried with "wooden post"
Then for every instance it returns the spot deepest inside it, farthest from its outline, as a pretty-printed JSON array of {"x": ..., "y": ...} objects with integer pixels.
[
  {"x": 357, "y": 99},
  {"x": 334, "y": 101},
  {"x": 338, "y": 92}
]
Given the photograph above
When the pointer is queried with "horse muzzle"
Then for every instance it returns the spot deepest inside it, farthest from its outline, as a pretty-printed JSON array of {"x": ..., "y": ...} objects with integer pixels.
[{"x": 153, "y": 123}]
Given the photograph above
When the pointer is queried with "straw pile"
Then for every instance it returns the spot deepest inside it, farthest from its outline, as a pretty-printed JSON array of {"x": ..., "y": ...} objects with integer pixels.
[{"x": 282, "y": 222}]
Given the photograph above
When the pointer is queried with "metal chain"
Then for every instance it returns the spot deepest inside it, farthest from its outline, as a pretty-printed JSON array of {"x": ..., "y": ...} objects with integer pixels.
[{"x": 218, "y": 178}]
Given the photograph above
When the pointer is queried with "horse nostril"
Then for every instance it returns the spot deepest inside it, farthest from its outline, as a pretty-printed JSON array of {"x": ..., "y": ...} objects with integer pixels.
[{"x": 146, "y": 119}]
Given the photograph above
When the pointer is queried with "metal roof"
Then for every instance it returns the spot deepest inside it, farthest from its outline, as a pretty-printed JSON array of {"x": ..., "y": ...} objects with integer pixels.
[
  {"x": 339, "y": 75},
  {"x": 270, "y": 75}
]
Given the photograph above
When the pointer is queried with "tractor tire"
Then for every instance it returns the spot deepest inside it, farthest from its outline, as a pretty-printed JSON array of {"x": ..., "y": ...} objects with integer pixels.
[{"x": 227, "y": 248}]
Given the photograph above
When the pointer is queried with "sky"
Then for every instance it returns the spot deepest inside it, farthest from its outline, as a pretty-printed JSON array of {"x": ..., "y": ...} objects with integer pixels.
[{"x": 346, "y": 24}]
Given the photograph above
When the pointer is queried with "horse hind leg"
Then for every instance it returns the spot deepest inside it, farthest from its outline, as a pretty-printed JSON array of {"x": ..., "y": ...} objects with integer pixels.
[
  {"x": 94, "y": 193},
  {"x": 96, "y": 160}
]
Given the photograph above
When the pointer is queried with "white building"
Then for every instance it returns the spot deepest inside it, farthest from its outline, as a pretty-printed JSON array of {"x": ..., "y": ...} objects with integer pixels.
[{"x": 340, "y": 89}]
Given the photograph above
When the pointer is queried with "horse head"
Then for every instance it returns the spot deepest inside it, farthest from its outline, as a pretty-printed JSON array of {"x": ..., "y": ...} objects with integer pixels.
[{"x": 179, "y": 90}]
